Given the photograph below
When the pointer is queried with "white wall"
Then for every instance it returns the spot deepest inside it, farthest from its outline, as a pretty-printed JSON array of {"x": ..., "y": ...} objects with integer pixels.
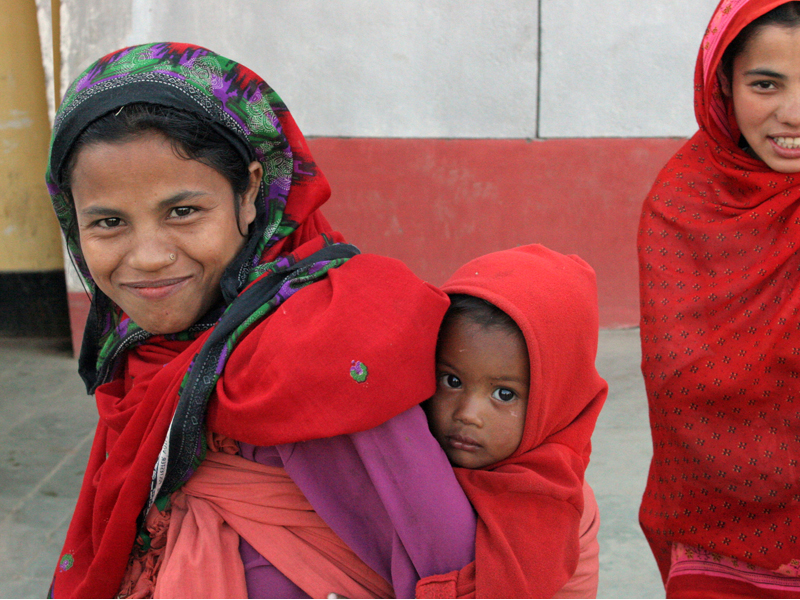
[
  {"x": 435, "y": 68},
  {"x": 620, "y": 68}
]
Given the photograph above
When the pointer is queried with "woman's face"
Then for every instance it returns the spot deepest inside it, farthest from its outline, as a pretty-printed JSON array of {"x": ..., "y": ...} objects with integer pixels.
[
  {"x": 766, "y": 96},
  {"x": 157, "y": 231}
]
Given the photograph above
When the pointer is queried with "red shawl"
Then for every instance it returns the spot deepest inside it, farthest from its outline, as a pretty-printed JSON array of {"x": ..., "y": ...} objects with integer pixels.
[
  {"x": 371, "y": 310},
  {"x": 719, "y": 264},
  {"x": 529, "y": 505}
]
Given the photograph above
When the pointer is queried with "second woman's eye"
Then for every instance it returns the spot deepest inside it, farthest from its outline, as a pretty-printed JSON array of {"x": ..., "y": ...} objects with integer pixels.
[
  {"x": 109, "y": 223},
  {"x": 182, "y": 211},
  {"x": 504, "y": 395},
  {"x": 450, "y": 381},
  {"x": 763, "y": 85}
]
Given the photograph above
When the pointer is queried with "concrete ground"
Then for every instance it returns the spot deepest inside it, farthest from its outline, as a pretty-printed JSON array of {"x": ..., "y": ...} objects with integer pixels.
[{"x": 47, "y": 422}]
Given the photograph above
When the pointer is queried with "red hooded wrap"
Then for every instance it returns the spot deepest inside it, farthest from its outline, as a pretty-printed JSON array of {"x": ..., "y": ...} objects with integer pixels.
[{"x": 529, "y": 505}]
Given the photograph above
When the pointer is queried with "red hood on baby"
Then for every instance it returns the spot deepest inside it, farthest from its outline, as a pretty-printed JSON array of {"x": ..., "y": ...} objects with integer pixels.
[{"x": 529, "y": 505}]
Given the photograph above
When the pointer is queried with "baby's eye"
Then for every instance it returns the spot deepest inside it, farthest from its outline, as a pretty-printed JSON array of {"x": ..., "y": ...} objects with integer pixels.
[
  {"x": 503, "y": 395},
  {"x": 182, "y": 211},
  {"x": 449, "y": 380}
]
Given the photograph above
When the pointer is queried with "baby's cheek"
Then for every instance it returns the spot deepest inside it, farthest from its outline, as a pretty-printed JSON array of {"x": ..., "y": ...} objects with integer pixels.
[{"x": 436, "y": 415}]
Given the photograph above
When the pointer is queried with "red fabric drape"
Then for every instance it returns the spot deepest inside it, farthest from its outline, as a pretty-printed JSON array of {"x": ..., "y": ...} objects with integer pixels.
[
  {"x": 529, "y": 506},
  {"x": 299, "y": 386},
  {"x": 719, "y": 264}
]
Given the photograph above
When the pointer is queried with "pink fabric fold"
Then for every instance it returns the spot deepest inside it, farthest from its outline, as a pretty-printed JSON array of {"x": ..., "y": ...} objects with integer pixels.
[
  {"x": 229, "y": 496},
  {"x": 584, "y": 581},
  {"x": 144, "y": 564}
]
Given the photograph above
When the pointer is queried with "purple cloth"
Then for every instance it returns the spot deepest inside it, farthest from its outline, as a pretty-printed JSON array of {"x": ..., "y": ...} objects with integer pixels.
[{"x": 388, "y": 492}]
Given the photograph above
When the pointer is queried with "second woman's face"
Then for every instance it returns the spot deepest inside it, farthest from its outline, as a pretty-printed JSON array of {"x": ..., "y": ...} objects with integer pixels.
[
  {"x": 766, "y": 96},
  {"x": 157, "y": 231}
]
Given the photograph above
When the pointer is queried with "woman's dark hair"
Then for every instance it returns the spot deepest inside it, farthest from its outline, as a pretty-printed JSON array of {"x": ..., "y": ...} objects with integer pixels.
[
  {"x": 480, "y": 312},
  {"x": 786, "y": 15},
  {"x": 192, "y": 138}
]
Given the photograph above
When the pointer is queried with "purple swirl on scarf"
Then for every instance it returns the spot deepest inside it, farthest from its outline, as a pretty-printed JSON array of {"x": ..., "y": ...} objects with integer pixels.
[
  {"x": 122, "y": 328},
  {"x": 287, "y": 289},
  {"x": 276, "y": 122},
  {"x": 223, "y": 357},
  {"x": 298, "y": 169},
  {"x": 255, "y": 96},
  {"x": 280, "y": 187},
  {"x": 282, "y": 263},
  {"x": 317, "y": 267},
  {"x": 87, "y": 80}
]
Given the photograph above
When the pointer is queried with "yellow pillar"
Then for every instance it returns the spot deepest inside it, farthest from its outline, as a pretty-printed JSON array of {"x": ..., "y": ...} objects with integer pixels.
[{"x": 30, "y": 245}]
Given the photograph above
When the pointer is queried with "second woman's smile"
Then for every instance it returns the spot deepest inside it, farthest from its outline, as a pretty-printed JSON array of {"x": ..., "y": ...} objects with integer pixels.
[{"x": 766, "y": 96}]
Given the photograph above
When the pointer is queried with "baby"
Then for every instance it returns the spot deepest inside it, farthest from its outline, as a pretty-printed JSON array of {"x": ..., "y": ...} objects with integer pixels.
[{"x": 516, "y": 403}]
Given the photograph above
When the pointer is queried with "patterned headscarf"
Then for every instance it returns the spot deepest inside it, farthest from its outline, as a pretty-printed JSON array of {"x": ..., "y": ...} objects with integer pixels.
[{"x": 718, "y": 271}]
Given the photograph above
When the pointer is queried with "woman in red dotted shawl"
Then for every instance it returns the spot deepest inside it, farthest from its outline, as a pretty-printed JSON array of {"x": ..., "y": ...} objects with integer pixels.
[{"x": 719, "y": 267}]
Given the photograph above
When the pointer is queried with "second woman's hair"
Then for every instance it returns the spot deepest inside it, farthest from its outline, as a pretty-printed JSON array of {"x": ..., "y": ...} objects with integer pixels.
[{"x": 786, "y": 15}]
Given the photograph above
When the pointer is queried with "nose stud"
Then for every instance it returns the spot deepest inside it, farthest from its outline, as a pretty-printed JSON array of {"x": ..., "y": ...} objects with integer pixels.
[{"x": 172, "y": 256}]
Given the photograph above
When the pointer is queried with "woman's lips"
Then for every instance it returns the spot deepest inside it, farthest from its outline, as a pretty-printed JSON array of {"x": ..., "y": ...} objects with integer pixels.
[
  {"x": 461, "y": 442},
  {"x": 785, "y": 146},
  {"x": 156, "y": 290}
]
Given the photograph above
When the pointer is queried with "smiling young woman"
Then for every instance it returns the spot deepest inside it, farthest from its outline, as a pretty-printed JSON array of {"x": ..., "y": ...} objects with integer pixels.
[
  {"x": 250, "y": 368},
  {"x": 719, "y": 266}
]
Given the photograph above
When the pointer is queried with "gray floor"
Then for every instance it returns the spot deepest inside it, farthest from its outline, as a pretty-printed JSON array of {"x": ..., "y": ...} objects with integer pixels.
[
  {"x": 621, "y": 452},
  {"x": 47, "y": 422}
]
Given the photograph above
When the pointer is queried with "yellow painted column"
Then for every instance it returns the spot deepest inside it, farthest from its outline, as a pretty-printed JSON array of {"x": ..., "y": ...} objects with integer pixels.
[{"x": 30, "y": 244}]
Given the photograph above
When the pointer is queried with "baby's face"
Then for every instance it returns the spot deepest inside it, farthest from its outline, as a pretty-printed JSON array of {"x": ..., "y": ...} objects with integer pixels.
[{"x": 478, "y": 411}]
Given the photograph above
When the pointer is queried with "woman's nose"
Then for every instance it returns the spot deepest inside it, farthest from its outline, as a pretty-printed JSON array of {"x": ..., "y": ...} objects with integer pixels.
[
  {"x": 150, "y": 252},
  {"x": 789, "y": 110},
  {"x": 469, "y": 410}
]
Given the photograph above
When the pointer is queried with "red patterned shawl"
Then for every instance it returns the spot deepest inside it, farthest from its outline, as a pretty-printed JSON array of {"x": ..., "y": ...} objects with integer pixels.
[{"x": 720, "y": 328}]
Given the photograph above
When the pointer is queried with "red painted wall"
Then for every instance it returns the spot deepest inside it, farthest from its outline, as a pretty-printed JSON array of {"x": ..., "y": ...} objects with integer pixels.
[{"x": 436, "y": 204}]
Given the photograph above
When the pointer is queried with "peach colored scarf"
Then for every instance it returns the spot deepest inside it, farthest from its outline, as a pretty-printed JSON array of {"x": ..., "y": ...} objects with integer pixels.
[{"x": 228, "y": 497}]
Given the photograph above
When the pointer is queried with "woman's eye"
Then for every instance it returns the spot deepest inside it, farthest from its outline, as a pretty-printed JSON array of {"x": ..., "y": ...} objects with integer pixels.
[
  {"x": 109, "y": 223},
  {"x": 503, "y": 395},
  {"x": 182, "y": 211},
  {"x": 764, "y": 85},
  {"x": 450, "y": 381}
]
